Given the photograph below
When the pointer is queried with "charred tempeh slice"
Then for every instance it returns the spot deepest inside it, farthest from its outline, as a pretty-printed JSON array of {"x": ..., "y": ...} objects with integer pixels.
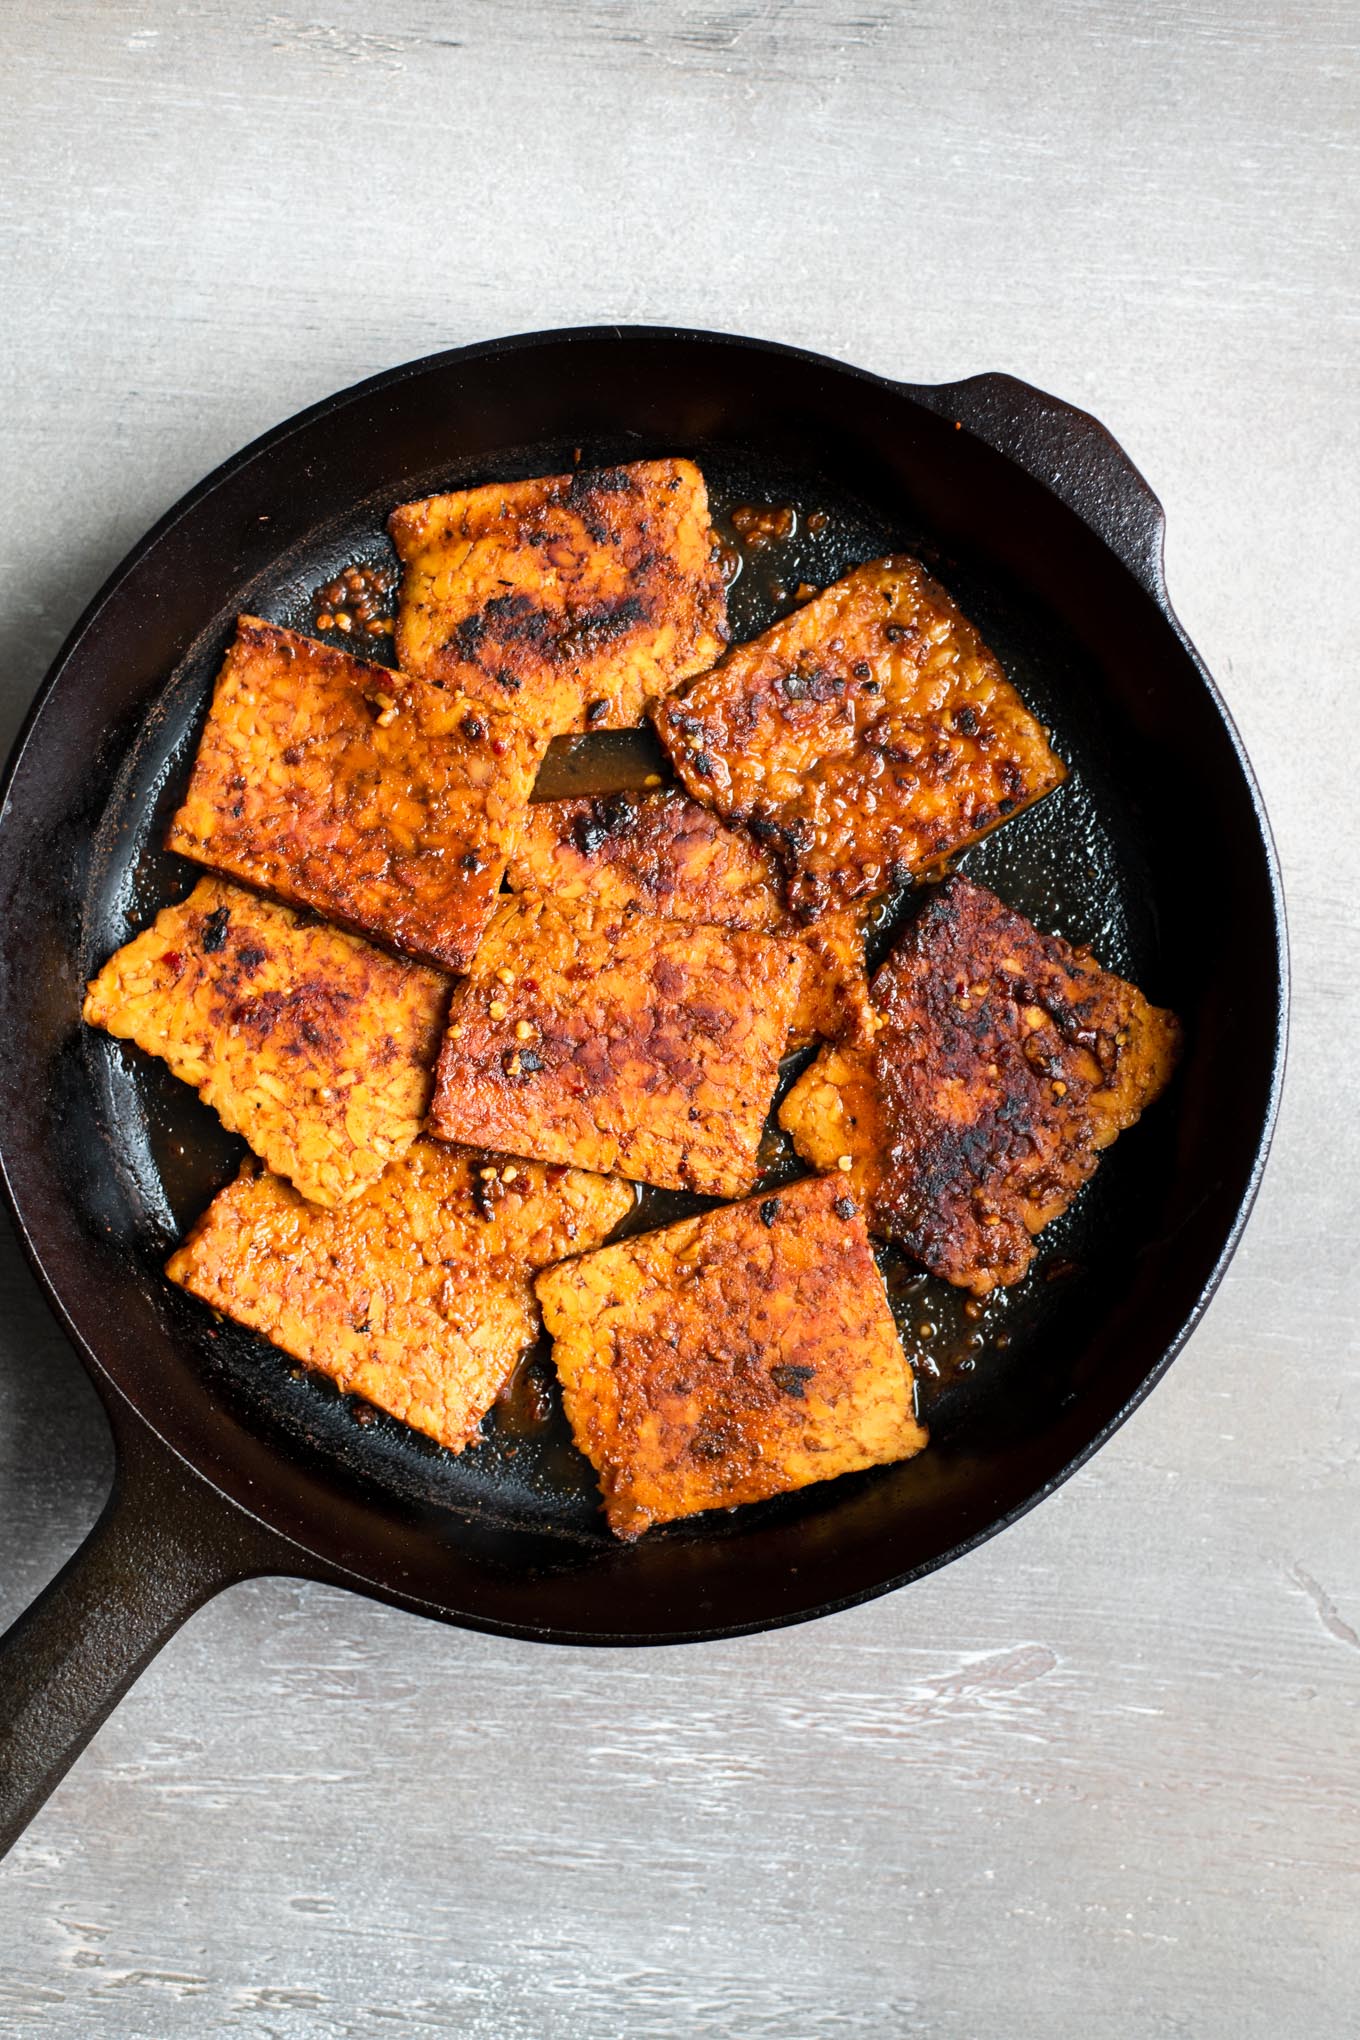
[
  {"x": 736, "y": 1355},
  {"x": 417, "y": 1295},
  {"x": 645, "y": 1048},
  {"x": 863, "y": 738},
  {"x": 312, "y": 1045},
  {"x": 1003, "y": 1061},
  {"x": 662, "y": 853},
  {"x": 572, "y": 599},
  {"x": 381, "y": 801}
]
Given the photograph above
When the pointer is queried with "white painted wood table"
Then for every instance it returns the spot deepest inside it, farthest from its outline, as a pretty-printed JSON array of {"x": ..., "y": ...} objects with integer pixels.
[{"x": 1101, "y": 1777}]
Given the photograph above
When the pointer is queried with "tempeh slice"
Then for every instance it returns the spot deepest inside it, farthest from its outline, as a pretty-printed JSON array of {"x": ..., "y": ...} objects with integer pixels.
[
  {"x": 863, "y": 738},
  {"x": 616, "y": 1042},
  {"x": 418, "y": 1294},
  {"x": 662, "y": 853},
  {"x": 1002, "y": 1064},
  {"x": 737, "y": 1355},
  {"x": 573, "y": 600},
  {"x": 314, "y": 1046},
  {"x": 384, "y": 803}
]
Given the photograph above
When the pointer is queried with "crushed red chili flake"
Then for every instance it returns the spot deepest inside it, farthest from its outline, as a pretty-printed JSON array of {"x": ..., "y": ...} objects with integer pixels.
[
  {"x": 762, "y": 524},
  {"x": 357, "y": 599}
]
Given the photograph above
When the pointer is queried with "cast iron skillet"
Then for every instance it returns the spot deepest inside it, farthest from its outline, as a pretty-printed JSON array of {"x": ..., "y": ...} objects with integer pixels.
[{"x": 231, "y": 1463}]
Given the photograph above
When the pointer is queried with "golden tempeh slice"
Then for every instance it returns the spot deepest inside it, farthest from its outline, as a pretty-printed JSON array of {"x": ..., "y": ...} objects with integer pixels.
[
  {"x": 863, "y": 738},
  {"x": 572, "y": 599},
  {"x": 381, "y": 801},
  {"x": 662, "y": 853},
  {"x": 1004, "y": 1060},
  {"x": 416, "y": 1295},
  {"x": 831, "y": 1114},
  {"x": 312, "y": 1045},
  {"x": 834, "y": 1002},
  {"x": 737, "y": 1355},
  {"x": 646, "y": 1048}
]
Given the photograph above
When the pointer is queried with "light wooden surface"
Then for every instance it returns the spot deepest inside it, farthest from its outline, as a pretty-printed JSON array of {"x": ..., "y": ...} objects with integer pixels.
[{"x": 1100, "y": 1778}]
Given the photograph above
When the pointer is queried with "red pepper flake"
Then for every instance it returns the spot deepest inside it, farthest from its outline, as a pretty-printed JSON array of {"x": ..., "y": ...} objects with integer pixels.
[{"x": 762, "y": 524}]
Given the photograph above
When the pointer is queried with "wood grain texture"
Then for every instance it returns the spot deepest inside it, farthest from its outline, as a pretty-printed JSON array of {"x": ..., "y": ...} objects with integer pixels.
[{"x": 1099, "y": 1778}]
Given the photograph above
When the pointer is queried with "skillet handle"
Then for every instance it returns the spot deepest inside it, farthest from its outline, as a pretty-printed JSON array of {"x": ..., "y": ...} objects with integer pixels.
[
  {"x": 164, "y": 1545},
  {"x": 1072, "y": 454}
]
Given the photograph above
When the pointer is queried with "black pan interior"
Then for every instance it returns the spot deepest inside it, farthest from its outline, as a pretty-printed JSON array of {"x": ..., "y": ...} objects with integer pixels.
[{"x": 1006, "y": 1392}]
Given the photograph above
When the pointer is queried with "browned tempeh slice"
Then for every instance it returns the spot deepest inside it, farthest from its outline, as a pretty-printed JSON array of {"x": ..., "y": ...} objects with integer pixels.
[
  {"x": 572, "y": 599},
  {"x": 383, "y": 802},
  {"x": 663, "y": 853},
  {"x": 1003, "y": 1062},
  {"x": 619, "y": 1043},
  {"x": 416, "y": 1295},
  {"x": 312, "y": 1045},
  {"x": 736, "y": 1355},
  {"x": 863, "y": 738}
]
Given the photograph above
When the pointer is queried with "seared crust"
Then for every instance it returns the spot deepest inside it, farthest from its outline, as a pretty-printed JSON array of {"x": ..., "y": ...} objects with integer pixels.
[
  {"x": 645, "y": 1048},
  {"x": 313, "y": 1046},
  {"x": 1003, "y": 1062},
  {"x": 740, "y": 1354},
  {"x": 572, "y": 599},
  {"x": 383, "y": 802},
  {"x": 416, "y": 1295},
  {"x": 863, "y": 738},
  {"x": 662, "y": 853}
]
